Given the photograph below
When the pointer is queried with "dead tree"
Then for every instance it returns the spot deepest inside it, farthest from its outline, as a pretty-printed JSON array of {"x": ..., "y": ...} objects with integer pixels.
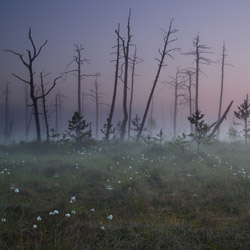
[
  {"x": 218, "y": 123},
  {"x": 223, "y": 64},
  {"x": 96, "y": 97},
  {"x": 151, "y": 120},
  {"x": 176, "y": 83},
  {"x": 117, "y": 64},
  {"x": 125, "y": 48},
  {"x": 28, "y": 116},
  {"x": 79, "y": 62},
  {"x": 135, "y": 61},
  {"x": 188, "y": 99},
  {"x": 32, "y": 56},
  {"x": 163, "y": 53},
  {"x": 44, "y": 106},
  {"x": 198, "y": 53},
  {"x": 8, "y": 123}
]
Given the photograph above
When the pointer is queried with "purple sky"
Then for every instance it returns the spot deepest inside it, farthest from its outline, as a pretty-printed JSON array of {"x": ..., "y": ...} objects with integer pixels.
[{"x": 92, "y": 24}]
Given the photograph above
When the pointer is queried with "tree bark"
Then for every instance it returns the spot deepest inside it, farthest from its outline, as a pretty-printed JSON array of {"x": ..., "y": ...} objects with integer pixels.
[
  {"x": 162, "y": 53},
  {"x": 125, "y": 78},
  {"x": 222, "y": 84},
  {"x": 109, "y": 119},
  {"x": 221, "y": 120}
]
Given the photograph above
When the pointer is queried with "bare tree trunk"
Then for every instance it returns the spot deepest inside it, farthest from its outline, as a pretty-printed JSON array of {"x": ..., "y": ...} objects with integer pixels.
[
  {"x": 190, "y": 99},
  {"x": 131, "y": 93},
  {"x": 125, "y": 79},
  {"x": 7, "y": 127},
  {"x": 56, "y": 111},
  {"x": 175, "y": 109},
  {"x": 109, "y": 120},
  {"x": 45, "y": 111},
  {"x": 222, "y": 84},
  {"x": 79, "y": 62},
  {"x": 246, "y": 122},
  {"x": 96, "y": 96},
  {"x": 197, "y": 64},
  {"x": 151, "y": 117},
  {"x": 162, "y": 53},
  {"x": 199, "y": 50},
  {"x": 26, "y": 113},
  {"x": 177, "y": 83},
  {"x": 29, "y": 65}
]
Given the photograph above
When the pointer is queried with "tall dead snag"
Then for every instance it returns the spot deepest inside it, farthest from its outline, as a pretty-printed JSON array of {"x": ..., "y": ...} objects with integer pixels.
[
  {"x": 176, "y": 83},
  {"x": 223, "y": 64},
  {"x": 198, "y": 52},
  {"x": 32, "y": 56},
  {"x": 117, "y": 64},
  {"x": 188, "y": 84},
  {"x": 163, "y": 53},
  {"x": 79, "y": 62},
  {"x": 96, "y": 97},
  {"x": 44, "y": 106},
  {"x": 28, "y": 116},
  {"x": 125, "y": 47},
  {"x": 8, "y": 123},
  {"x": 135, "y": 61},
  {"x": 58, "y": 111}
]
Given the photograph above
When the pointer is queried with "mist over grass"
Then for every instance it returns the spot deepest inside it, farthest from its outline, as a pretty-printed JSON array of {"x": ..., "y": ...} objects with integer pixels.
[{"x": 124, "y": 196}]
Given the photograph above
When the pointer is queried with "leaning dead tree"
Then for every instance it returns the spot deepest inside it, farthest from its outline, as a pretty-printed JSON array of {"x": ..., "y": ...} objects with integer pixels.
[
  {"x": 29, "y": 63},
  {"x": 218, "y": 123},
  {"x": 79, "y": 60},
  {"x": 163, "y": 53},
  {"x": 199, "y": 51},
  {"x": 117, "y": 64},
  {"x": 125, "y": 48}
]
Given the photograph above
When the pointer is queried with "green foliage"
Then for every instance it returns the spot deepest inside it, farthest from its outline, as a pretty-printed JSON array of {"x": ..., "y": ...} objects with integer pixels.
[
  {"x": 136, "y": 124},
  {"x": 111, "y": 135},
  {"x": 243, "y": 113},
  {"x": 78, "y": 129},
  {"x": 181, "y": 142},
  {"x": 201, "y": 129},
  {"x": 54, "y": 135},
  {"x": 159, "y": 198}
]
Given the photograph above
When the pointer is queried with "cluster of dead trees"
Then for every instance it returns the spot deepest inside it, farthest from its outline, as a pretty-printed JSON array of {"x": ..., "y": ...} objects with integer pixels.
[{"x": 125, "y": 71}]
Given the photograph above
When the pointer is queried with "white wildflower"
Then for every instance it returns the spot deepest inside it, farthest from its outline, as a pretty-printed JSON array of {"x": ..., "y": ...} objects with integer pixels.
[{"x": 110, "y": 217}]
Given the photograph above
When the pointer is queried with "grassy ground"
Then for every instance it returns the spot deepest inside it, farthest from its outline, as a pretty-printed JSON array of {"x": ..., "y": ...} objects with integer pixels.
[{"x": 124, "y": 197}]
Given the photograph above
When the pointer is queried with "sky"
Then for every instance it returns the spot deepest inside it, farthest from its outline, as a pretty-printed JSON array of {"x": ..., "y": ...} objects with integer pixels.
[{"x": 92, "y": 24}]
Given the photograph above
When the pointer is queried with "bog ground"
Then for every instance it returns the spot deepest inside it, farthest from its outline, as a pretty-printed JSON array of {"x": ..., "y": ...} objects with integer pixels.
[{"x": 125, "y": 197}]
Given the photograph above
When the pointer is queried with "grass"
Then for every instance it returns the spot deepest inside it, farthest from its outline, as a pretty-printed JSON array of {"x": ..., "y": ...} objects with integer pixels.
[{"x": 159, "y": 196}]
